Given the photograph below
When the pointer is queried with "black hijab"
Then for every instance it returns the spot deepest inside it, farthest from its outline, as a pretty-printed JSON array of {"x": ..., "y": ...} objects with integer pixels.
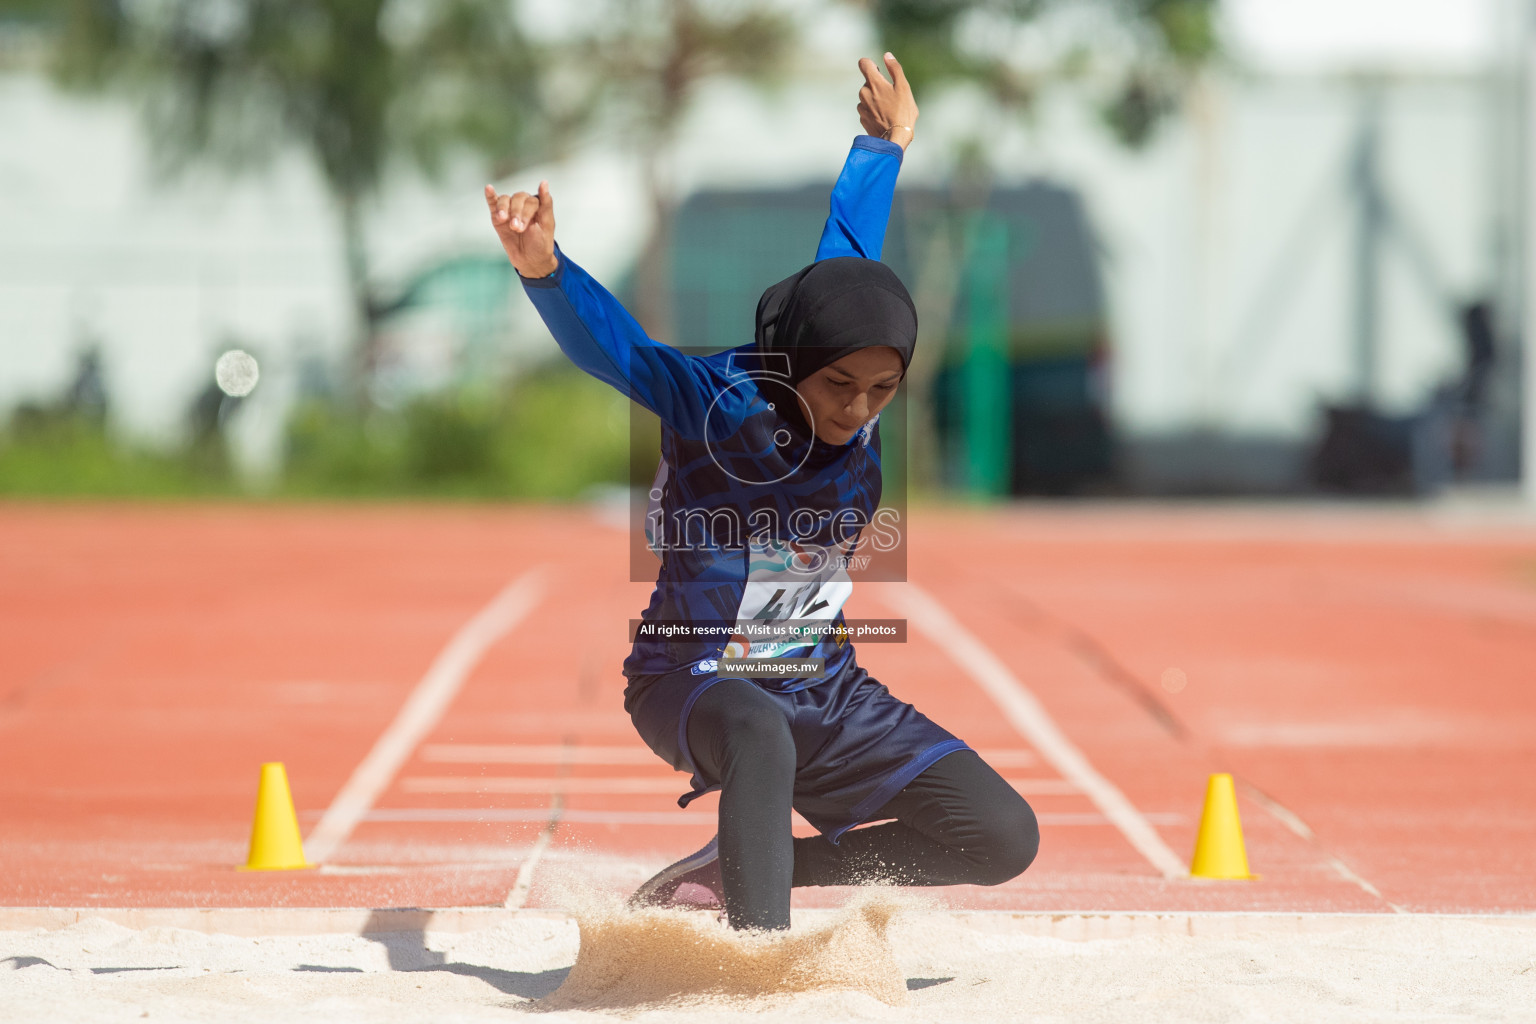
[{"x": 834, "y": 307}]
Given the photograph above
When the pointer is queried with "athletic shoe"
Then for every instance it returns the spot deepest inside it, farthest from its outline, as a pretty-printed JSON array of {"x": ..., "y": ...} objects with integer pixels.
[{"x": 693, "y": 883}]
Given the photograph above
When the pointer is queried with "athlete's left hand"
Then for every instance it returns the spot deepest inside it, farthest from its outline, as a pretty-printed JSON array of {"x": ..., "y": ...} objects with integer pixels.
[{"x": 887, "y": 109}]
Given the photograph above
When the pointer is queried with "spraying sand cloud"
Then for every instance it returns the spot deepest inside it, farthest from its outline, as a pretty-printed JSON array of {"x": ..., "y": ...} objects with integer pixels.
[{"x": 666, "y": 957}]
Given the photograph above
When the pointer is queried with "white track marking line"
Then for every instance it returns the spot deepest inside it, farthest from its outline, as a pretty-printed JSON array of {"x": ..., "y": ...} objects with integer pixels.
[
  {"x": 666, "y": 819},
  {"x": 1292, "y": 821},
  {"x": 630, "y": 784},
  {"x": 450, "y": 815},
  {"x": 523, "y": 884},
  {"x": 532, "y": 753},
  {"x": 502, "y": 784},
  {"x": 1044, "y": 787},
  {"x": 421, "y": 712},
  {"x": 1025, "y": 712}
]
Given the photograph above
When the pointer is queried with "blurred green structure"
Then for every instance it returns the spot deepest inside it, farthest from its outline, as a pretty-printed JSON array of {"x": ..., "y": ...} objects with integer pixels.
[
  {"x": 1015, "y": 392},
  {"x": 980, "y": 387},
  {"x": 464, "y": 301}
]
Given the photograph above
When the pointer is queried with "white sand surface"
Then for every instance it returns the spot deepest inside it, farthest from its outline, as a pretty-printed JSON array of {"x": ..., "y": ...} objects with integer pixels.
[{"x": 878, "y": 959}]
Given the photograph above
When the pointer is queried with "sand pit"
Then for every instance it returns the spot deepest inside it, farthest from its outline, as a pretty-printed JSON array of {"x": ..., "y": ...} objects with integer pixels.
[{"x": 937, "y": 966}]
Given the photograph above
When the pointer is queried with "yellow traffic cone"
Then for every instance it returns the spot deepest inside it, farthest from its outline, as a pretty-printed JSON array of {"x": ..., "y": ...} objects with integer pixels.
[
  {"x": 1219, "y": 849},
  {"x": 275, "y": 842}
]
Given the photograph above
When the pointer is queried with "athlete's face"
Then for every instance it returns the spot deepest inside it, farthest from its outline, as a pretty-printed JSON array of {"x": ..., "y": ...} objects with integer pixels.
[{"x": 845, "y": 395}]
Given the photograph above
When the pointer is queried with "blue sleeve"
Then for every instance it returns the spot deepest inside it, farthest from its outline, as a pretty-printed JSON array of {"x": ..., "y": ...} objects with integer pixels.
[
  {"x": 599, "y": 335},
  {"x": 861, "y": 200}
]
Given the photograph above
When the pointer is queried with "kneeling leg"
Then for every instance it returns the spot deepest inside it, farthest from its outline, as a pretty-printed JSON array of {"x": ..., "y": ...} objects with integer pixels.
[
  {"x": 959, "y": 822},
  {"x": 740, "y": 738}
]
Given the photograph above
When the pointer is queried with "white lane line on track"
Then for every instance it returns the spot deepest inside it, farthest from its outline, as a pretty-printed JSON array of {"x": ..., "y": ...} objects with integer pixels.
[
  {"x": 552, "y": 753},
  {"x": 499, "y": 814},
  {"x": 502, "y": 784},
  {"x": 523, "y": 884},
  {"x": 535, "y": 753},
  {"x": 491, "y": 815},
  {"x": 1292, "y": 822},
  {"x": 421, "y": 712},
  {"x": 1044, "y": 787},
  {"x": 633, "y": 785},
  {"x": 1025, "y": 712}
]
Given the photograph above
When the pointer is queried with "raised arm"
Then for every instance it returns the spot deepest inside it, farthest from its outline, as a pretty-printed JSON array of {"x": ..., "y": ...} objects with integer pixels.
[
  {"x": 600, "y": 336},
  {"x": 592, "y": 327},
  {"x": 861, "y": 199}
]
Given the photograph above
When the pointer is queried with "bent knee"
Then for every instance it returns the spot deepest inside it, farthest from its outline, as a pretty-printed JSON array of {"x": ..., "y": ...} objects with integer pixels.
[
  {"x": 758, "y": 729},
  {"x": 1009, "y": 845},
  {"x": 743, "y": 731}
]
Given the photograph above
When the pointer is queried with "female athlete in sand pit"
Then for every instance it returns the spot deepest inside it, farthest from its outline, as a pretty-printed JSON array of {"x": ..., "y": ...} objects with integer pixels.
[{"x": 770, "y": 477}]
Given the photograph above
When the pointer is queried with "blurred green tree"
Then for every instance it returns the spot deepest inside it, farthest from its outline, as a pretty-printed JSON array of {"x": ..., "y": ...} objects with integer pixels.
[
  {"x": 1136, "y": 58},
  {"x": 361, "y": 86},
  {"x": 648, "y": 59},
  {"x": 1145, "y": 51}
]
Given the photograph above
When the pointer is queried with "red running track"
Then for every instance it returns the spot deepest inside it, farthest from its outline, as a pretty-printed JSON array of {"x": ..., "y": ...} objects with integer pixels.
[{"x": 1365, "y": 674}]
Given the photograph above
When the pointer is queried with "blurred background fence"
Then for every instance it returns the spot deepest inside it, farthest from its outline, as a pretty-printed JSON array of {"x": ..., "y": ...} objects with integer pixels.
[{"x": 1158, "y": 246}]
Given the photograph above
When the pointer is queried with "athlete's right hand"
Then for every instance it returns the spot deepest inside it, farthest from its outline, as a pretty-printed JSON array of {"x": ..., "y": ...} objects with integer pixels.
[{"x": 526, "y": 226}]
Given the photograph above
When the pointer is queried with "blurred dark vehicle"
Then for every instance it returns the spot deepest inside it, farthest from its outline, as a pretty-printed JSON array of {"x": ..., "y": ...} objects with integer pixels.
[{"x": 1364, "y": 451}]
